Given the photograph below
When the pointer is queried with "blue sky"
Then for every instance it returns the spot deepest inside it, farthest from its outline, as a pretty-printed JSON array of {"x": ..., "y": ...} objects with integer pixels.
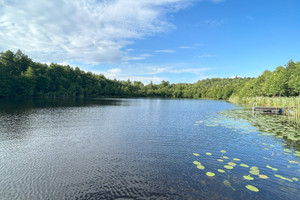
[{"x": 172, "y": 40}]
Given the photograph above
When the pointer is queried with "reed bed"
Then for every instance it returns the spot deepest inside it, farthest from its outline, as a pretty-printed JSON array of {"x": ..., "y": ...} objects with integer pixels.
[{"x": 291, "y": 105}]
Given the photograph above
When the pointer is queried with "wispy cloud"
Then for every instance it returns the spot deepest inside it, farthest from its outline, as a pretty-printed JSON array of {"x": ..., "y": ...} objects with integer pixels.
[
  {"x": 216, "y": 1},
  {"x": 170, "y": 70},
  {"x": 206, "y": 56},
  {"x": 139, "y": 57},
  {"x": 185, "y": 47},
  {"x": 119, "y": 74},
  {"x": 148, "y": 73},
  {"x": 88, "y": 31},
  {"x": 165, "y": 51},
  {"x": 214, "y": 23}
]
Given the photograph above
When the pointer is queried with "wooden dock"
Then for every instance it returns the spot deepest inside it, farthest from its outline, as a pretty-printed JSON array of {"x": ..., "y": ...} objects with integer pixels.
[{"x": 269, "y": 110}]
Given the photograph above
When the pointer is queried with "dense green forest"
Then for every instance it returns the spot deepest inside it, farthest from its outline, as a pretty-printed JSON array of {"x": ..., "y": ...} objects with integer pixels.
[{"x": 20, "y": 76}]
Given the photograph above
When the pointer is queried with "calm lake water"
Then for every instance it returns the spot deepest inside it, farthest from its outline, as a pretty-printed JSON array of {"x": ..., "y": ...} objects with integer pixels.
[{"x": 143, "y": 149}]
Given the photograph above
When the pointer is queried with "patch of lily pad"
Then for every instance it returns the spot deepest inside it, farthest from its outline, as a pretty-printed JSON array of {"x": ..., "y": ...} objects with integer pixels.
[
  {"x": 210, "y": 174},
  {"x": 228, "y": 167},
  {"x": 248, "y": 177},
  {"x": 252, "y": 188},
  {"x": 244, "y": 165}
]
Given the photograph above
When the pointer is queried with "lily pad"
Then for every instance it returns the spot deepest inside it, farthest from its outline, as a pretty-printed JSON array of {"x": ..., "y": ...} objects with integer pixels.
[
  {"x": 197, "y": 163},
  {"x": 254, "y": 172},
  {"x": 287, "y": 150},
  {"x": 209, "y": 154},
  {"x": 221, "y": 170},
  {"x": 200, "y": 167},
  {"x": 228, "y": 167},
  {"x": 210, "y": 174},
  {"x": 263, "y": 176},
  {"x": 252, "y": 188},
  {"x": 250, "y": 178},
  {"x": 244, "y": 165},
  {"x": 295, "y": 179},
  {"x": 225, "y": 157},
  {"x": 220, "y": 160},
  {"x": 223, "y": 151},
  {"x": 292, "y": 161},
  {"x": 196, "y": 154},
  {"x": 232, "y": 164},
  {"x": 236, "y": 159}
]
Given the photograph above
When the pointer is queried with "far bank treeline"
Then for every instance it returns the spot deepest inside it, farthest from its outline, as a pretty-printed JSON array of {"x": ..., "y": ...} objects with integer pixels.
[{"x": 20, "y": 76}]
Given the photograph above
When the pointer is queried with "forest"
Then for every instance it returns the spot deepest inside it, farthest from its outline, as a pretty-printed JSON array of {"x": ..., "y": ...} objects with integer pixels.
[{"x": 22, "y": 77}]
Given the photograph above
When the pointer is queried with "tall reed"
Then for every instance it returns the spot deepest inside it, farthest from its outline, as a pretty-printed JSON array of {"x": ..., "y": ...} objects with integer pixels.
[{"x": 291, "y": 105}]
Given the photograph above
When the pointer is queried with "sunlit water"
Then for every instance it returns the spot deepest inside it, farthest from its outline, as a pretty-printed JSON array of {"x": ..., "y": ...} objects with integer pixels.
[{"x": 141, "y": 149}]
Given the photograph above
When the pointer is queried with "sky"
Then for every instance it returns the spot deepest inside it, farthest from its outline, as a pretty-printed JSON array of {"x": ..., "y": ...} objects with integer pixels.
[{"x": 180, "y": 41}]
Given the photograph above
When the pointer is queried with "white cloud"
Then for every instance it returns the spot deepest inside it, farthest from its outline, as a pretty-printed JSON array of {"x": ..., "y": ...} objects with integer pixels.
[
  {"x": 87, "y": 31},
  {"x": 117, "y": 73},
  {"x": 165, "y": 51}
]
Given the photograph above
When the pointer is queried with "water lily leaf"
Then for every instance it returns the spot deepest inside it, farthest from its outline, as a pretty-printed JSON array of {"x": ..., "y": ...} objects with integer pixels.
[
  {"x": 220, "y": 160},
  {"x": 295, "y": 179},
  {"x": 263, "y": 143},
  {"x": 292, "y": 161},
  {"x": 197, "y": 163},
  {"x": 250, "y": 178},
  {"x": 221, "y": 170},
  {"x": 200, "y": 167},
  {"x": 263, "y": 176},
  {"x": 225, "y": 157},
  {"x": 287, "y": 150},
  {"x": 223, "y": 151},
  {"x": 196, "y": 154},
  {"x": 228, "y": 167},
  {"x": 244, "y": 165},
  {"x": 236, "y": 159},
  {"x": 252, "y": 188},
  {"x": 210, "y": 174},
  {"x": 254, "y": 168},
  {"x": 254, "y": 172},
  {"x": 209, "y": 154},
  {"x": 232, "y": 164}
]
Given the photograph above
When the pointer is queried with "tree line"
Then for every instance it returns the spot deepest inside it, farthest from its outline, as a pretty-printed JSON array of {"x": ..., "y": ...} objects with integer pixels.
[{"x": 20, "y": 76}]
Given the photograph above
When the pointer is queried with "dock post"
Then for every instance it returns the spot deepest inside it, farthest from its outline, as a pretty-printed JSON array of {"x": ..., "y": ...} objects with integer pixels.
[{"x": 253, "y": 107}]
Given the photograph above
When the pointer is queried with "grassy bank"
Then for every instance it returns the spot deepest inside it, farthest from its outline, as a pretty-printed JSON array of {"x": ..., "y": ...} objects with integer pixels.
[{"x": 293, "y": 104}]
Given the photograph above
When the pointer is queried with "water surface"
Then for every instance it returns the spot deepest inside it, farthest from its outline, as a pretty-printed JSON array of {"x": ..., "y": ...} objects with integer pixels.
[{"x": 141, "y": 149}]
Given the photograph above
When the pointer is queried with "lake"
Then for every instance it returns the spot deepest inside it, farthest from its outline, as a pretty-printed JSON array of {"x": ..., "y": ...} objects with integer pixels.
[{"x": 144, "y": 149}]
